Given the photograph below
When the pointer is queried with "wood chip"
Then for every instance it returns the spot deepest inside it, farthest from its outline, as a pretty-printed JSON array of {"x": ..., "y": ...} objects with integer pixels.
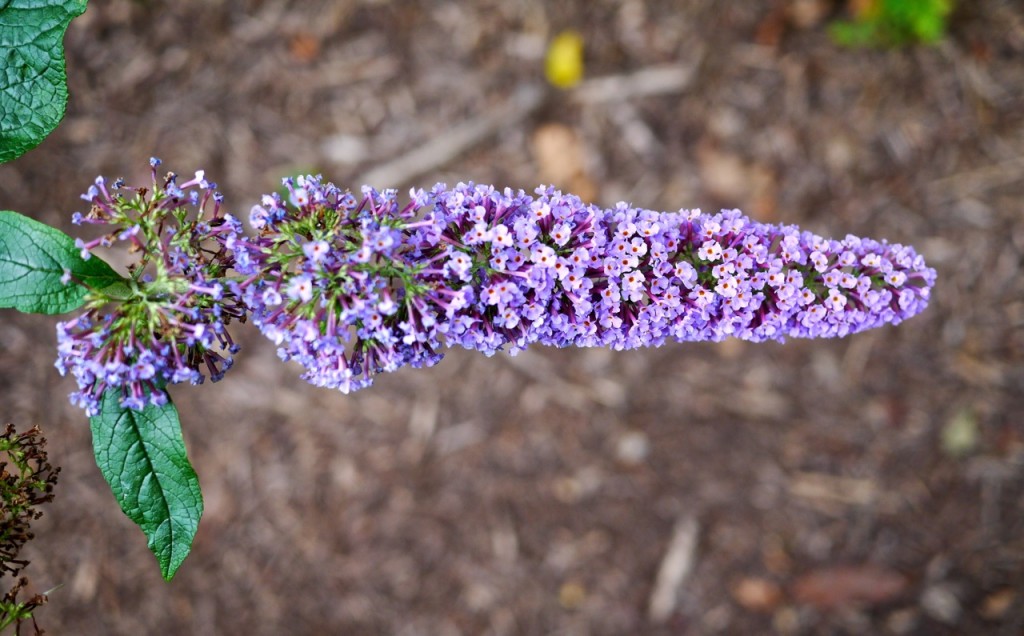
[
  {"x": 675, "y": 567},
  {"x": 657, "y": 80},
  {"x": 453, "y": 142},
  {"x": 832, "y": 488}
]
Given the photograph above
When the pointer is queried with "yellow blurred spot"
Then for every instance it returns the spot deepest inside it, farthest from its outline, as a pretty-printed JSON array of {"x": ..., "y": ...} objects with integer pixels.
[
  {"x": 564, "y": 64},
  {"x": 571, "y": 595},
  {"x": 960, "y": 434}
]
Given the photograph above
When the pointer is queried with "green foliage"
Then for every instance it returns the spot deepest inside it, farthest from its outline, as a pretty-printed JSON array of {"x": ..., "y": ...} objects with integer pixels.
[
  {"x": 33, "y": 85},
  {"x": 142, "y": 456},
  {"x": 34, "y": 258},
  {"x": 26, "y": 482},
  {"x": 894, "y": 23},
  {"x": 140, "y": 453}
]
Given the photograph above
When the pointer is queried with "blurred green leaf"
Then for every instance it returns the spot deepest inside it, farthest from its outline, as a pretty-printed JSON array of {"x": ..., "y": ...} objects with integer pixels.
[{"x": 894, "y": 23}]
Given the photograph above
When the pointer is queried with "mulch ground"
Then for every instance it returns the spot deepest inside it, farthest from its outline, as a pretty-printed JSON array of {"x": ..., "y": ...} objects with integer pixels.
[{"x": 873, "y": 484}]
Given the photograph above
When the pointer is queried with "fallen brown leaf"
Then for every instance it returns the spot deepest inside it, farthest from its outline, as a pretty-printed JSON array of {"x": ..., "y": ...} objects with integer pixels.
[
  {"x": 995, "y": 605},
  {"x": 561, "y": 159},
  {"x": 757, "y": 594},
  {"x": 304, "y": 47},
  {"x": 849, "y": 585},
  {"x": 807, "y": 14}
]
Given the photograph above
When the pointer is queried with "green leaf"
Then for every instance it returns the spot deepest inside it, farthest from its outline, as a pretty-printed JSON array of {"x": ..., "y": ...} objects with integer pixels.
[
  {"x": 34, "y": 257},
  {"x": 33, "y": 84},
  {"x": 142, "y": 456}
]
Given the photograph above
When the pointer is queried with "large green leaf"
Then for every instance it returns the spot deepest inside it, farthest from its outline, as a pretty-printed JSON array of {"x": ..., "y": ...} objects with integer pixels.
[
  {"x": 33, "y": 85},
  {"x": 34, "y": 258},
  {"x": 142, "y": 456}
]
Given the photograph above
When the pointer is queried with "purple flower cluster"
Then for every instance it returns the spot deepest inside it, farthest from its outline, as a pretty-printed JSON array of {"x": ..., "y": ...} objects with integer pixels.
[
  {"x": 166, "y": 323},
  {"x": 352, "y": 287},
  {"x": 334, "y": 282}
]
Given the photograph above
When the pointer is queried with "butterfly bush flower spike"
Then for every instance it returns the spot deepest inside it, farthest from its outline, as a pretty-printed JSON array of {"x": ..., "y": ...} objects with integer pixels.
[
  {"x": 352, "y": 286},
  {"x": 167, "y": 324}
]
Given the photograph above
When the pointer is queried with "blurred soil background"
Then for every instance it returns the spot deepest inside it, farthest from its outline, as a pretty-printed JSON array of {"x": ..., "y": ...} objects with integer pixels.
[{"x": 868, "y": 485}]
